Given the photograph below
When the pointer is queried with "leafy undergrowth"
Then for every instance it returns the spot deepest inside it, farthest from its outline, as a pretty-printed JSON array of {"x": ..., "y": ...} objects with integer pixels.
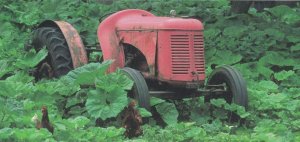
[{"x": 263, "y": 46}]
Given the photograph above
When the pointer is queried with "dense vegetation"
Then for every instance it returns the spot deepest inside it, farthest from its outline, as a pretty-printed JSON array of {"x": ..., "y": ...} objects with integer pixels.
[{"x": 264, "y": 46}]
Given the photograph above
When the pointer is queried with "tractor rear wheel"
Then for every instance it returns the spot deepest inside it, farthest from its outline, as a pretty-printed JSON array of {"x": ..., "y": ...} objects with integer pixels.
[
  {"x": 140, "y": 90},
  {"x": 236, "y": 90},
  {"x": 59, "y": 56}
]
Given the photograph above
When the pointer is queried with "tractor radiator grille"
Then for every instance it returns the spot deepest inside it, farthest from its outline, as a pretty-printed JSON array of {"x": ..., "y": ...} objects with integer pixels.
[
  {"x": 182, "y": 57},
  {"x": 199, "y": 53},
  {"x": 180, "y": 54}
]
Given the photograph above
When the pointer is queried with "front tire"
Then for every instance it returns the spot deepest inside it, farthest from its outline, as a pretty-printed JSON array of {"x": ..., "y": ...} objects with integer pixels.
[
  {"x": 236, "y": 88},
  {"x": 140, "y": 90}
]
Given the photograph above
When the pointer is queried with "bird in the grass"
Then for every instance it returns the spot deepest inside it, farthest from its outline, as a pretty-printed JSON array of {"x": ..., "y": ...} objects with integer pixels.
[
  {"x": 45, "y": 123},
  {"x": 132, "y": 121}
]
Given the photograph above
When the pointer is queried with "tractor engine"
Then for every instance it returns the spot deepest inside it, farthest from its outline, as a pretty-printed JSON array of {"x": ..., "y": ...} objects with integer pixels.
[
  {"x": 171, "y": 48},
  {"x": 180, "y": 53}
]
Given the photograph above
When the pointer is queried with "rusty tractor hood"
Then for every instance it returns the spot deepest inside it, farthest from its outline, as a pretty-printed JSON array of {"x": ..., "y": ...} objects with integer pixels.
[
  {"x": 135, "y": 20},
  {"x": 145, "y": 22}
]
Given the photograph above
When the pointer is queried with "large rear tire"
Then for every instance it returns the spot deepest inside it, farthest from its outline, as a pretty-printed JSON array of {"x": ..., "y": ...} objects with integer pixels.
[
  {"x": 140, "y": 90},
  {"x": 236, "y": 88},
  {"x": 59, "y": 56}
]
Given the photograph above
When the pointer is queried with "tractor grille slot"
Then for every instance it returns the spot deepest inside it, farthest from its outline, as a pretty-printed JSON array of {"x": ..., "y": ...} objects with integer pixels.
[
  {"x": 199, "y": 53},
  {"x": 180, "y": 54}
]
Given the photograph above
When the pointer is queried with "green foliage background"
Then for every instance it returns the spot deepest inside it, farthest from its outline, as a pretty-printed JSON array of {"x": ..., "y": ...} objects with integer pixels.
[{"x": 265, "y": 47}]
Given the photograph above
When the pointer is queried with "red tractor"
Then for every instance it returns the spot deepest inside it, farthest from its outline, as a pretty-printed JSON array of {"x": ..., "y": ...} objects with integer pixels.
[{"x": 164, "y": 56}]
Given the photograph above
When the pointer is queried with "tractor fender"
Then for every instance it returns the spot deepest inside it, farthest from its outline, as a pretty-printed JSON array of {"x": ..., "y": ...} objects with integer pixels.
[
  {"x": 76, "y": 47},
  {"x": 145, "y": 42},
  {"x": 109, "y": 40}
]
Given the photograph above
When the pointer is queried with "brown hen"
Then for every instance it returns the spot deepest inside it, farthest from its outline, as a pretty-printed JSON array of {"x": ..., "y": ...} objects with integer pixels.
[{"x": 45, "y": 123}]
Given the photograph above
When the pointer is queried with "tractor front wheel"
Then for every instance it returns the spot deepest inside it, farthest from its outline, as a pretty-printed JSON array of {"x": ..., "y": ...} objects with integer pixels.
[
  {"x": 139, "y": 90},
  {"x": 59, "y": 58},
  {"x": 236, "y": 90}
]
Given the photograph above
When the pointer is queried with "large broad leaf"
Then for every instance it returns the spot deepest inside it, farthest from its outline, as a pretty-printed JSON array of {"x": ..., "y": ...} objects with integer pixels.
[
  {"x": 30, "y": 134},
  {"x": 20, "y": 77},
  {"x": 292, "y": 80},
  {"x": 225, "y": 57},
  {"x": 275, "y": 34},
  {"x": 101, "y": 104},
  {"x": 286, "y": 14},
  {"x": 4, "y": 67},
  {"x": 264, "y": 70},
  {"x": 114, "y": 80},
  {"x": 144, "y": 112},
  {"x": 79, "y": 121},
  {"x": 276, "y": 58},
  {"x": 154, "y": 101},
  {"x": 295, "y": 47},
  {"x": 12, "y": 89},
  {"x": 57, "y": 86},
  {"x": 211, "y": 33},
  {"x": 218, "y": 102},
  {"x": 110, "y": 97},
  {"x": 87, "y": 73},
  {"x": 6, "y": 133},
  {"x": 267, "y": 85},
  {"x": 7, "y": 89},
  {"x": 283, "y": 75},
  {"x": 168, "y": 112},
  {"x": 273, "y": 101},
  {"x": 31, "y": 59},
  {"x": 235, "y": 31},
  {"x": 248, "y": 70},
  {"x": 293, "y": 39}
]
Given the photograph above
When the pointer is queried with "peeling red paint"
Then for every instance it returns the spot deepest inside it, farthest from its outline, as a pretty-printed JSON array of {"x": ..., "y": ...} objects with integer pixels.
[
  {"x": 145, "y": 41},
  {"x": 173, "y": 47}
]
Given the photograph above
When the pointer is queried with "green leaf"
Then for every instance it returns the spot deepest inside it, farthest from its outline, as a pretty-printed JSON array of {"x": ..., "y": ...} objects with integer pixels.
[
  {"x": 79, "y": 121},
  {"x": 268, "y": 85},
  {"x": 225, "y": 57},
  {"x": 13, "y": 89},
  {"x": 275, "y": 58},
  {"x": 285, "y": 13},
  {"x": 274, "y": 33},
  {"x": 21, "y": 77},
  {"x": 86, "y": 74},
  {"x": 295, "y": 47},
  {"x": 283, "y": 75},
  {"x": 31, "y": 59},
  {"x": 101, "y": 104},
  {"x": 28, "y": 104},
  {"x": 144, "y": 112},
  {"x": 6, "y": 133},
  {"x": 7, "y": 89},
  {"x": 293, "y": 39},
  {"x": 211, "y": 33},
  {"x": 235, "y": 31},
  {"x": 60, "y": 127},
  {"x": 280, "y": 11},
  {"x": 4, "y": 67},
  {"x": 154, "y": 101},
  {"x": 168, "y": 112},
  {"x": 241, "y": 111},
  {"x": 114, "y": 80},
  {"x": 264, "y": 70},
  {"x": 218, "y": 102}
]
